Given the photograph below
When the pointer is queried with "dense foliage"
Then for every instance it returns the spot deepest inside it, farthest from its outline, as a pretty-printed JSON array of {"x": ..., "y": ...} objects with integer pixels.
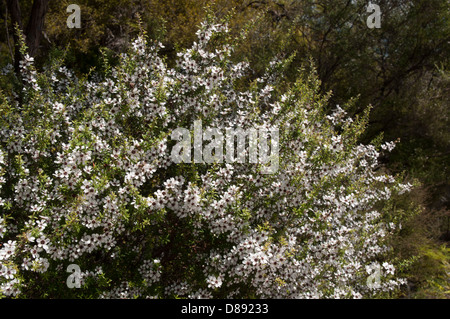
[
  {"x": 400, "y": 69},
  {"x": 87, "y": 179}
]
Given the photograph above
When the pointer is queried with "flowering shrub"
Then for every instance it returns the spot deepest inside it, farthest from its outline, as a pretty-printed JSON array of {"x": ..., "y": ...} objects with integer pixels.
[{"x": 87, "y": 179}]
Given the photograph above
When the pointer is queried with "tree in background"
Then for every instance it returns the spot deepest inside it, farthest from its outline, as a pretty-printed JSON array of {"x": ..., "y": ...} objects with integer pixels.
[{"x": 33, "y": 30}]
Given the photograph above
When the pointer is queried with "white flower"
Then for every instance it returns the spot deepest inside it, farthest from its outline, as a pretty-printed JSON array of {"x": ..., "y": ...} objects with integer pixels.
[
  {"x": 58, "y": 107},
  {"x": 214, "y": 281},
  {"x": 390, "y": 269},
  {"x": 389, "y": 146},
  {"x": 8, "y": 250},
  {"x": 43, "y": 242}
]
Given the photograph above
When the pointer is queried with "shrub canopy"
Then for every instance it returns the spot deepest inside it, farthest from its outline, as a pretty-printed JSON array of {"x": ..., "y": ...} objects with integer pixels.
[{"x": 87, "y": 178}]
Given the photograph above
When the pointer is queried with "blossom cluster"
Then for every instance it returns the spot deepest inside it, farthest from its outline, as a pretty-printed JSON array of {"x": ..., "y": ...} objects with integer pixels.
[{"x": 86, "y": 177}]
